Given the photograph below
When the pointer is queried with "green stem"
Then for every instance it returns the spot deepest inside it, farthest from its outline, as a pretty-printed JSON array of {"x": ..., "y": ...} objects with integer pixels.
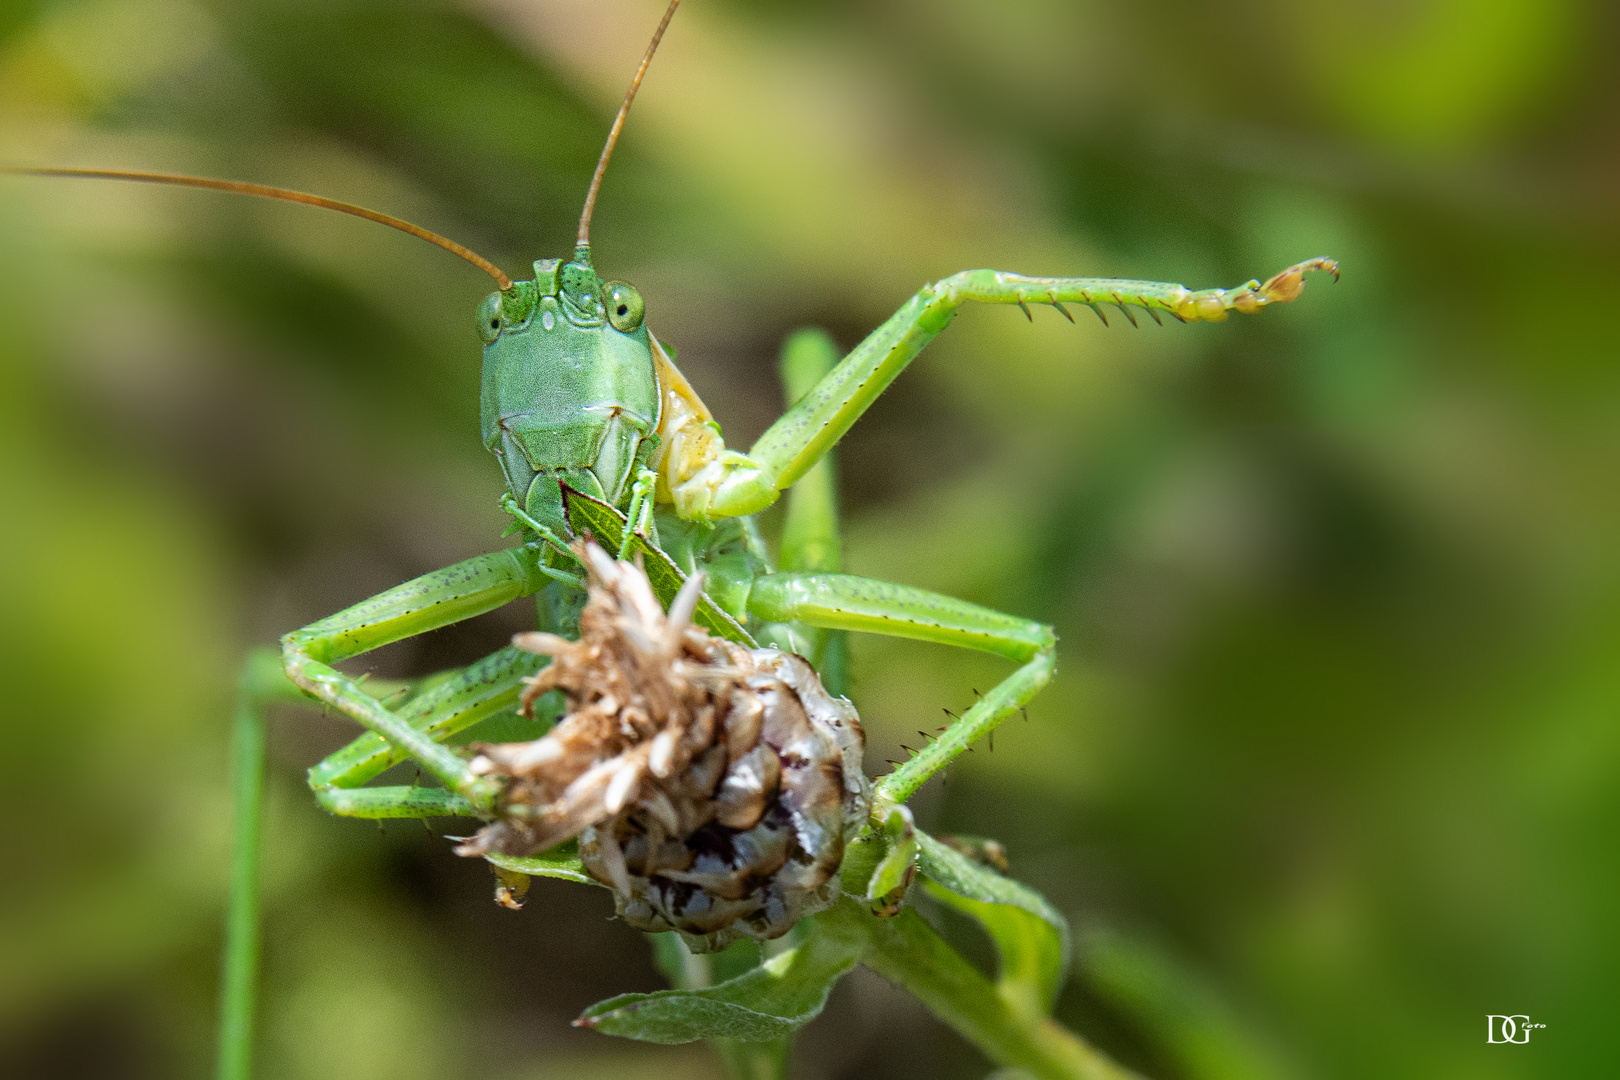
[
  {"x": 753, "y": 1061},
  {"x": 239, "y": 979},
  {"x": 906, "y": 950}
]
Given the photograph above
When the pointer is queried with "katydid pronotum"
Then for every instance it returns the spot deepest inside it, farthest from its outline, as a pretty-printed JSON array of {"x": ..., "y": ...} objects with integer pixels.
[{"x": 596, "y": 429}]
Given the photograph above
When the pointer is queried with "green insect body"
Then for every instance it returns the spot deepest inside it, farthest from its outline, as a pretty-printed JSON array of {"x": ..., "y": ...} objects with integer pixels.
[{"x": 597, "y": 431}]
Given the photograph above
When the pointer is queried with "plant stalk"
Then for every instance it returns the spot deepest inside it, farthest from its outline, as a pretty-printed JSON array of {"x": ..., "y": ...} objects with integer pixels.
[
  {"x": 906, "y": 950},
  {"x": 238, "y": 992}
]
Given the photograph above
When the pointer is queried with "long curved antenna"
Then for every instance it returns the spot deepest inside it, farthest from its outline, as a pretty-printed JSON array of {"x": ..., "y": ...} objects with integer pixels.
[
  {"x": 264, "y": 191},
  {"x": 618, "y": 123}
]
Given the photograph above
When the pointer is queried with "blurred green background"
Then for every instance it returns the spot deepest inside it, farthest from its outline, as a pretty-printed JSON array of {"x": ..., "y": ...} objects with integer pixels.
[{"x": 1331, "y": 769}]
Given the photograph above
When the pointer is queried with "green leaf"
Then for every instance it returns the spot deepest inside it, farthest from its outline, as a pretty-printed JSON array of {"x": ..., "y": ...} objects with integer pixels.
[
  {"x": 775, "y": 999},
  {"x": 559, "y": 862},
  {"x": 1030, "y": 935},
  {"x": 602, "y": 521}
]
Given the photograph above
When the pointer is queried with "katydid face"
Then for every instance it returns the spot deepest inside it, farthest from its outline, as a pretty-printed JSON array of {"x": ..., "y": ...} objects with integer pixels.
[{"x": 569, "y": 393}]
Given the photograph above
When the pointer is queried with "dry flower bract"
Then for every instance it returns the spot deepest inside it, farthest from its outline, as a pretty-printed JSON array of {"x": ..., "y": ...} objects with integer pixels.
[{"x": 711, "y": 786}]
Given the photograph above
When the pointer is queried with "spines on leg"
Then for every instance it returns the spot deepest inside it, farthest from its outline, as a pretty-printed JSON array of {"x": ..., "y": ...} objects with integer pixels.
[{"x": 1188, "y": 305}]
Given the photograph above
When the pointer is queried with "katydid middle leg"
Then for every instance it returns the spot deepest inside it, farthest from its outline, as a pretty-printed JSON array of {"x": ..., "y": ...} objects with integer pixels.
[
  {"x": 811, "y": 593},
  {"x": 449, "y": 705},
  {"x": 433, "y": 600}
]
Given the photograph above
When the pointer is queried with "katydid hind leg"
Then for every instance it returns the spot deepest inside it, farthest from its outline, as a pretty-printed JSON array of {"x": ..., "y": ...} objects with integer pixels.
[{"x": 846, "y": 602}]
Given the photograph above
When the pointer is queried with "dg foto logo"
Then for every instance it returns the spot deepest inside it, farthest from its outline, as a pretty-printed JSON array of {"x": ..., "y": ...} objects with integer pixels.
[{"x": 1509, "y": 1029}]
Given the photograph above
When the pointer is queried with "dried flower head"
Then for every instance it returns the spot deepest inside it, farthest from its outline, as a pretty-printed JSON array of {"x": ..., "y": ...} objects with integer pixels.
[{"x": 711, "y": 786}]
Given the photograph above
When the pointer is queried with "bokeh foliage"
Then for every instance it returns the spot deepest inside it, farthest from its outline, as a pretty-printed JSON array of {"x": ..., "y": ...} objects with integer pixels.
[{"x": 1329, "y": 769}]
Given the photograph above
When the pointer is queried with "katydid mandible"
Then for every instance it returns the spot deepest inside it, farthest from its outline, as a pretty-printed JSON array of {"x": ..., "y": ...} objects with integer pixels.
[{"x": 594, "y": 427}]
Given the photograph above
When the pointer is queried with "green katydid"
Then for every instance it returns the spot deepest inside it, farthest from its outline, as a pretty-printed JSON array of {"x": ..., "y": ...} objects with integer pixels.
[{"x": 595, "y": 428}]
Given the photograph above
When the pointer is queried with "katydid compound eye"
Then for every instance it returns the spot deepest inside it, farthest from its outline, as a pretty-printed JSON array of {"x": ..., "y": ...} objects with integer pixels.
[
  {"x": 624, "y": 306},
  {"x": 489, "y": 318}
]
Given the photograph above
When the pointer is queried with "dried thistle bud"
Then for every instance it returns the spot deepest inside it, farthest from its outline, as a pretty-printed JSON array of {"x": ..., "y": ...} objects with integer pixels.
[{"x": 711, "y": 786}]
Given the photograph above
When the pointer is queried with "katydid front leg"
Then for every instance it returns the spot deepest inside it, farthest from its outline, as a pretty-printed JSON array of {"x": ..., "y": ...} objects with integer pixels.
[
  {"x": 730, "y": 483},
  {"x": 263, "y": 683},
  {"x": 433, "y": 600}
]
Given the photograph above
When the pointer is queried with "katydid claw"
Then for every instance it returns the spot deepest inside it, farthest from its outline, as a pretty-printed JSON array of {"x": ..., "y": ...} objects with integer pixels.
[{"x": 1285, "y": 286}]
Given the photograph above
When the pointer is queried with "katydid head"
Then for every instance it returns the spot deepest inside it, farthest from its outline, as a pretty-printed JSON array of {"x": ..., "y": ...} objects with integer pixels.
[{"x": 569, "y": 391}]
